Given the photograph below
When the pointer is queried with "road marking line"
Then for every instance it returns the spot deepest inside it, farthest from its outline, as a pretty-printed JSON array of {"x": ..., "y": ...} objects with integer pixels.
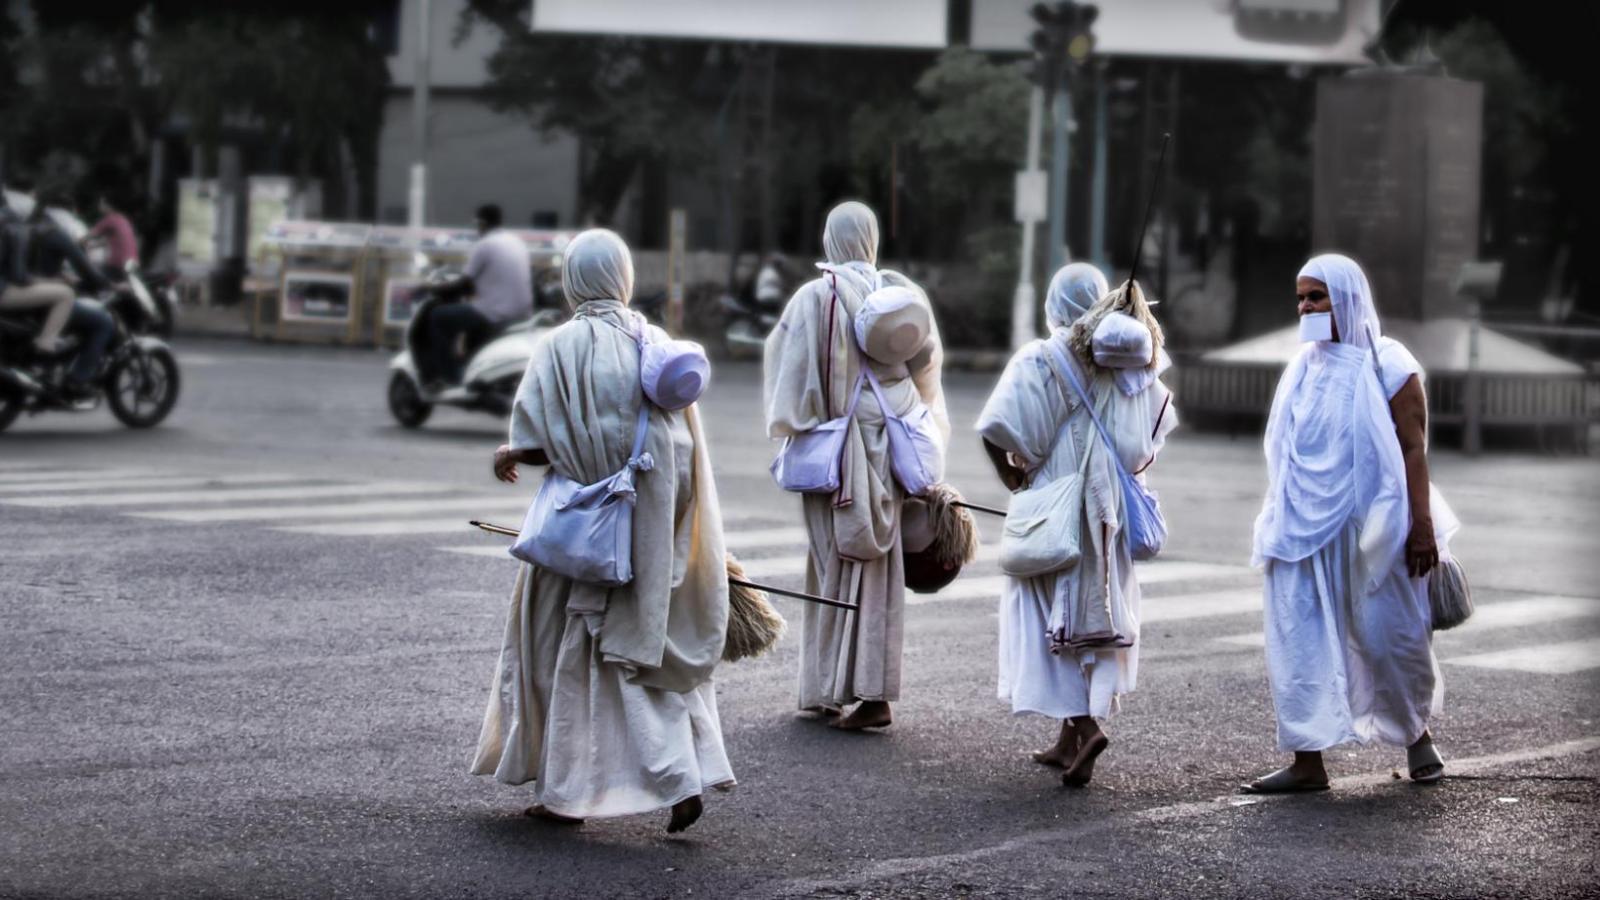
[
  {"x": 490, "y": 506},
  {"x": 1529, "y": 611},
  {"x": 1487, "y": 617},
  {"x": 1180, "y": 607},
  {"x": 1540, "y": 659},
  {"x": 490, "y": 550},
  {"x": 163, "y": 481},
  {"x": 1026, "y": 845},
  {"x": 382, "y": 527},
  {"x": 736, "y": 539},
  {"x": 225, "y": 495},
  {"x": 57, "y": 473}
]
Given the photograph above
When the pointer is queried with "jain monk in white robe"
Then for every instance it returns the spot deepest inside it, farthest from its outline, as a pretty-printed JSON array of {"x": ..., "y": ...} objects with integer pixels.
[
  {"x": 1069, "y": 641},
  {"x": 603, "y": 696},
  {"x": 810, "y": 364},
  {"x": 1347, "y": 530}
]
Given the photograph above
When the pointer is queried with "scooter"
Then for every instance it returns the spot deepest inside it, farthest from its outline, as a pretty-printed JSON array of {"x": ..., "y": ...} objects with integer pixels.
[{"x": 492, "y": 374}]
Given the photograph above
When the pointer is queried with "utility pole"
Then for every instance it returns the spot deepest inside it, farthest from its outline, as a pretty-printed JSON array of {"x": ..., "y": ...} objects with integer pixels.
[
  {"x": 1062, "y": 45},
  {"x": 1030, "y": 193},
  {"x": 418, "y": 199}
]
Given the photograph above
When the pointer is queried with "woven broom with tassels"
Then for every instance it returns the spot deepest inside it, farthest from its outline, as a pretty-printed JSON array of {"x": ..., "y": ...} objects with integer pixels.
[
  {"x": 754, "y": 626},
  {"x": 938, "y": 538}
]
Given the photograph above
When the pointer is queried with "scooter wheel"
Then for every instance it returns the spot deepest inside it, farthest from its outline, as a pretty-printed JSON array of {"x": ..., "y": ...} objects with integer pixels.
[{"x": 406, "y": 403}]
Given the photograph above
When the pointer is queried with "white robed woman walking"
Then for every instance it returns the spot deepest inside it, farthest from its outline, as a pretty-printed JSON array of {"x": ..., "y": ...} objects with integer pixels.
[
  {"x": 1346, "y": 535},
  {"x": 603, "y": 696},
  {"x": 1069, "y": 641},
  {"x": 811, "y": 363}
]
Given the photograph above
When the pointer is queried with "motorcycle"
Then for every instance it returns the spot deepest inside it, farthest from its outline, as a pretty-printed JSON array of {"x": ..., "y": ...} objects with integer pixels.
[
  {"x": 492, "y": 373},
  {"x": 749, "y": 322},
  {"x": 151, "y": 301},
  {"x": 137, "y": 377}
]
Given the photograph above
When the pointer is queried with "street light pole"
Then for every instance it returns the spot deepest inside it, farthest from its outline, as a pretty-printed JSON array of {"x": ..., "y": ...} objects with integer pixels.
[
  {"x": 1060, "y": 149},
  {"x": 1023, "y": 325},
  {"x": 418, "y": 199}
]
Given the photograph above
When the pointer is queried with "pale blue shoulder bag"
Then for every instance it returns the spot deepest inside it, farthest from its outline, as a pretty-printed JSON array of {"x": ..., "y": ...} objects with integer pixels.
[
  {"x": 1147, "y": 526},
  {"x": 585, "y": 531}
]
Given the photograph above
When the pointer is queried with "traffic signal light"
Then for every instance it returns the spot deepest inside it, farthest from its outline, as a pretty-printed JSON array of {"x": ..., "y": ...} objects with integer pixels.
[{"x": 1063, "y": 41}]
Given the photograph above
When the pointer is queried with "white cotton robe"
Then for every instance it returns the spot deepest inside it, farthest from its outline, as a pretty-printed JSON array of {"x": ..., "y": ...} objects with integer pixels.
[
  {"x": 810, "y": 366},
  {"x": 603, "y": 697},
  {"x": 1348, "y": 632},
  {"x": 1042, "y": 424}
]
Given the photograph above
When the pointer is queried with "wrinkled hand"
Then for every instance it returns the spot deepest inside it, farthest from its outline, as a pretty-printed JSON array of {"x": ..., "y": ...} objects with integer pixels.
[
  {"x": 1422, "y": 553},
  {"x": 505, "y": 464}
]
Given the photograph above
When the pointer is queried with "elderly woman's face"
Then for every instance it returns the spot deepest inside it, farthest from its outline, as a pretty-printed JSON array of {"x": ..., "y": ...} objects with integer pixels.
[{"x": 1312, "y": 297}]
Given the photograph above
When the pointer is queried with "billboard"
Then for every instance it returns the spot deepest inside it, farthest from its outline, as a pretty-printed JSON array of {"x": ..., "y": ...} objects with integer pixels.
[
  {"x": 1310, "y": 32},
  {"x": 918, "y": 24}
]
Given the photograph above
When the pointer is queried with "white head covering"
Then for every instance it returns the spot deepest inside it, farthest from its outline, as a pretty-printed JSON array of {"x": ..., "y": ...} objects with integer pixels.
[
  {"x": 1332, "y": 454},
  {"x": 1074, "y": 289},
  {"x": 597, "y": 266},
  {"x": 851, "y": 234},
  {"x": 1353, "y": 310}
]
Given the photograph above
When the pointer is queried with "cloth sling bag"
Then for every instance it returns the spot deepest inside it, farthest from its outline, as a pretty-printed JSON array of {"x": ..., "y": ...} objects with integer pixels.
[
  {"x": 915, "y": 453},
  {"x": 808, "y": 462},
  {"x": 1043, "y": 528},
  {"x": 585, "y": 531},
  {"x": 1147, "y": 526}
]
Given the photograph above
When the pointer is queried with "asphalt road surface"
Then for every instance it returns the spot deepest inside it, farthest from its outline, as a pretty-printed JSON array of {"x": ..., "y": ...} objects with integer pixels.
[{"x": 247, "y": 654}]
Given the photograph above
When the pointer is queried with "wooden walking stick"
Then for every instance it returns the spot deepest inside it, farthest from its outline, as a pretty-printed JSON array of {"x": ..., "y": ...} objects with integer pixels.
[{"x": 739, "y": 582}]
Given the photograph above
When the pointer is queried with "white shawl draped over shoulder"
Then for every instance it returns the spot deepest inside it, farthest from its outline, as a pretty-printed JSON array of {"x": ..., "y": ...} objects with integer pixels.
[{"x": 578, "y": 403}]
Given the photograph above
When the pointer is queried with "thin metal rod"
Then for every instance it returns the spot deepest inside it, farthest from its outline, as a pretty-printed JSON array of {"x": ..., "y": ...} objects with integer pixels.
[
  {"x": 977, "y": 508},
  {"x": 1149, "y": 206},
  {"x": 798, "y": 595}
]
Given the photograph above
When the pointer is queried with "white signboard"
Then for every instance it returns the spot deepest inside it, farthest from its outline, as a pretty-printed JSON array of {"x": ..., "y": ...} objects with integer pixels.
[
  {"x": 1032, "y": 201},
  {"x": 317, "y": 297},
  {"x": 868, "y": 23},
  {"x": 1312, "y": 32}
]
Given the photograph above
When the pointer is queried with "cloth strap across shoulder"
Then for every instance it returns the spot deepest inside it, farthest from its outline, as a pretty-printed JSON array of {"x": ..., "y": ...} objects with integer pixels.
[
  {"x": 638, "y": 459},
  {"x": 1088, "y": 406}
]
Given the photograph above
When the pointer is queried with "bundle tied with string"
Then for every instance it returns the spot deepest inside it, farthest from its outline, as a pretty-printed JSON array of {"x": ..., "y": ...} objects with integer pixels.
[
  {"x": 937, "y": 538},
  {"x": 754, "y": 626},
  {"x": 1129, "y": 300},
  {"x": 1449, "y": 594}
]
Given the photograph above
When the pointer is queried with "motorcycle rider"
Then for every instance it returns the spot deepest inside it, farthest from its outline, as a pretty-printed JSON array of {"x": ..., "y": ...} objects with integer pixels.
[
  {"x": 19, "y": 289},
  {"x": 116, "y": 232},
  {"x": 499, "y": 277},
  {"x": 50, "y": 250},
  {"x": 771, "y": 287}
]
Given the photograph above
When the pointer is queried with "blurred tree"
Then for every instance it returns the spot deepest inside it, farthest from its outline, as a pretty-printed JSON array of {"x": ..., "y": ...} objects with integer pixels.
[
  {"x": 105, "y": 80},
  {"x": 629, "y": 101}
]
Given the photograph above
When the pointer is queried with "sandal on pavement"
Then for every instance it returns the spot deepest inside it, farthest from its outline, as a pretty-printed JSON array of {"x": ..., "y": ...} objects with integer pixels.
[
  {"x": 1283, "y": 781},
  {"x": 1420, "y": 758}
]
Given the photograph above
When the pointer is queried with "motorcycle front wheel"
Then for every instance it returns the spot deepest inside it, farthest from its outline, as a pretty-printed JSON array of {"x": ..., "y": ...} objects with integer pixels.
[
  {"x": 142, "y": 387},
  {"x": 10, "y": 407}
]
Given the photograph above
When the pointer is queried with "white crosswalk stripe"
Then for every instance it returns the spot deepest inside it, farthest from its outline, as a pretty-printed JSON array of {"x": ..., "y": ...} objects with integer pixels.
[
  {"x": 737, "y": 539},
  {"x": 1486, "y": 617},
  {"x": 225, "y": 495},
  {"x": 57, "y": 473},
  {"x": 387, "y": 527},
  {"x": 770, "y": 551},
  {"x": 1562, "y": 658},
  {"x": 492, "y": 506},
  {"x": 131, "y": 484}
]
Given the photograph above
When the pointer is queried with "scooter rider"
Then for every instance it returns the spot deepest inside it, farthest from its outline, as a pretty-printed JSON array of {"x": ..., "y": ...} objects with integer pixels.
[{"x": 499, "y": 277}]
